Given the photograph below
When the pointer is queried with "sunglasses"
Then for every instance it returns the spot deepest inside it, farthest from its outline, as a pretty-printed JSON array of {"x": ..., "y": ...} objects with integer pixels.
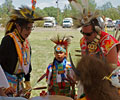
[{"x": 87, "y": 34}]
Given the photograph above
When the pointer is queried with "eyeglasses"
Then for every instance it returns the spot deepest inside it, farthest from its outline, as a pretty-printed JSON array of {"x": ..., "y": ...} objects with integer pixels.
[
  {"x": 29, "y": 28},
  {"x": 87, "y": 34}
]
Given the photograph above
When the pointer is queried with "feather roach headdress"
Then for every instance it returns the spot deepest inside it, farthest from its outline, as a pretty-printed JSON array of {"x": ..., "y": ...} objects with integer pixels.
[
  {"x": 84, "y": 16},
  {"x": 61, "y": 43},
  {"x": 23, "y": 14}
]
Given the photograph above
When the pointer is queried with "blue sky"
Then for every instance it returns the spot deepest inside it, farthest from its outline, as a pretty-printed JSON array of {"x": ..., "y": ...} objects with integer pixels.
[{"x": 47, "y": 3}]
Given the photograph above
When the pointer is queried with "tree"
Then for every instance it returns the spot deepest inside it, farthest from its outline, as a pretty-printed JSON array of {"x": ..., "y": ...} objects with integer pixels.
[
  {"x": 40, "y": 12},
  {"x": 91, "y": 3},
  {"x": 118, "y": 9},
  {"x": 53, "y": 12},
  {"x": 109, "y": 11},
  {"x": 67, "y": 12},
  {"x": 91, "y": 6},
  {"x": 107, "y": 6},
  {"x": 5, "y": 9},
  {"x": 8, "y": 5}
]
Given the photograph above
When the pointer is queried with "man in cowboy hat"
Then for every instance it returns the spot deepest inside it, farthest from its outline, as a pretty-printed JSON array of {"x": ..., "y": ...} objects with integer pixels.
[{"x": 15, "y": 50}]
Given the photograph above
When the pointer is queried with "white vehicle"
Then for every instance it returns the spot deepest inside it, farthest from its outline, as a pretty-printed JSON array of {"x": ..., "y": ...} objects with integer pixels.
[
  {"x": 49, "y": 22},
  {"x": 114, "y": 22},
  {"x": 67, "y": 23},
  {"x": 109, "y": 23},
  {"x": 117, "y": 25}
]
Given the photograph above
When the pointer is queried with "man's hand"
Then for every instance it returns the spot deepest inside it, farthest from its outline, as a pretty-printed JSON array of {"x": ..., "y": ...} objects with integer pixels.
[{"x": 10, "y": 90}]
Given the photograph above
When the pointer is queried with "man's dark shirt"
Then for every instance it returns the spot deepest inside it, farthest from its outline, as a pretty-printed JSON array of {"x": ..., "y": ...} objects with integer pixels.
[{"x": 9, "y": 56}]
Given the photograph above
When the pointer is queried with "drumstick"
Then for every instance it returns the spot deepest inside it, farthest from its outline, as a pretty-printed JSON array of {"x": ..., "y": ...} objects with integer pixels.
[
  {"x": 41, "y": 77},
  {"x": 38, "y": 80},
  {"x": 78, "y": 51},
  {"x": 78, "y": 55},
  {"x": 34, "y": 89},
  {"x": 38, "y": 88}
]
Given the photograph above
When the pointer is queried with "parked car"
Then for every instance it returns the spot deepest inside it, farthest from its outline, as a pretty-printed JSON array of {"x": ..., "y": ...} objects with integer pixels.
[
  {"x": 109, "y": 23},
  {"x": 114, "y": 22},
  {"x": 117, "y": 25},
  {"x": 67, "y": 23},
  {"x": 49, "y": 22}
]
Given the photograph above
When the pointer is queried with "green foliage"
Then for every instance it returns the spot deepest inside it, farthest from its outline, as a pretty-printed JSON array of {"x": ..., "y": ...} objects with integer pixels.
[
  {"x": 107, "y": 6},
  {"x": 60, "y": 19},
  {"x": 5, "y": 10},
  {"x": 6, "y": 7},
  {"x": 109, "y": 11},
  {"x": 118, "y": 8},
  {"x": 38, "y": 23},
  {"x": 91, "y": 3},
  {"x": 91, "y": 7},
  {"x": 40, "y": 12},
  {"x": 52, "y": 11},
  {"x": 67, "y": 12},
  {"x": 4, "y": 20},
  {"x": 112, "y": 13}
]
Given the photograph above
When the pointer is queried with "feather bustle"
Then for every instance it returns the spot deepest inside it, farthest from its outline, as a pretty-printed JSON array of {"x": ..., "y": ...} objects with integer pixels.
[
  {"x": 66, "y": 40},
  {"x": 77, "y": 6},
  {"x": 85, "y": 3},
  {"x": 84, "y": 16}
]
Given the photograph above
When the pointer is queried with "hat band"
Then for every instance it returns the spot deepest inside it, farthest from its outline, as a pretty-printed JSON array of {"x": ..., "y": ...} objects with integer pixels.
[{"x": 60, "y": 49}]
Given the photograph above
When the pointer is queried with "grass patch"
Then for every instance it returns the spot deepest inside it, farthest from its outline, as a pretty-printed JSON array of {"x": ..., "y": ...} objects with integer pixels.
[{"x": 43, "y": 52}]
